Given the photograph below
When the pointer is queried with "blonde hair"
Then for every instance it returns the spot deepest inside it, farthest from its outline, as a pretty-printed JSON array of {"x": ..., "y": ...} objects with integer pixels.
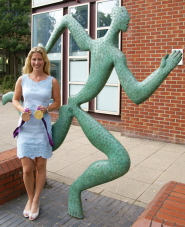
[{"x": 28, "y": 68}]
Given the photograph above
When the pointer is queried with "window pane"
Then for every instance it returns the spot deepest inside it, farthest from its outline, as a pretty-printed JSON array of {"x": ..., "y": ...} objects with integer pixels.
[
  {"x": 55, "y": 69},
  {"x": 113, "y": 79},
  {"x": 80, "y": 13},
  {"x": 101, "y": 33},
  {"x": 55, "y": 61},
  {"x": 42, "y": 2},
  {"x": 78, "y": 70},
  {"x": 43, "y": 26},
  {"x": 104, "y": 11},
  {"x": 75, "y": 89},
  {"x": 107, "y": 100},
  {"x": 74, "y": 49}
]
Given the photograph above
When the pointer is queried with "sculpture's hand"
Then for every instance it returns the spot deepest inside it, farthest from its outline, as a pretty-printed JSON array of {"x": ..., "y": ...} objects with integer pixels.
[{"x": 169, "y": 62}]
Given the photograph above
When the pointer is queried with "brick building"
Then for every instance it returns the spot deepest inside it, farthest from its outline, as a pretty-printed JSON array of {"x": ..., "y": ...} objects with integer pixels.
[{"x": 156, "y": 27}]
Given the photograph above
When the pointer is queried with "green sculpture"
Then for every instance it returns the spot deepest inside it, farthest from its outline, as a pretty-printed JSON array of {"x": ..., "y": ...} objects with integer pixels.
[{"x": 104, "y": 57}]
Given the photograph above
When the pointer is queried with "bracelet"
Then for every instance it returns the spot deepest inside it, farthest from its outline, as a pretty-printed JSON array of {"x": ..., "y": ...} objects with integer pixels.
[{"x": 47, "y": 110}]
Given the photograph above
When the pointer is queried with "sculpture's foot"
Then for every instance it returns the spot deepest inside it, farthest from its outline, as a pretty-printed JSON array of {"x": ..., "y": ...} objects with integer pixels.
[{"x": 75, "y": 203}]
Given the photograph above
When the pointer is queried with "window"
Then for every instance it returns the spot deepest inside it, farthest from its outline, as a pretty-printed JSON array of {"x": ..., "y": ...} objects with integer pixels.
[
  {"x": 108, "y": 100},
  {"x": 43, "y": 25},
  {"x": 78, "y": 60}
]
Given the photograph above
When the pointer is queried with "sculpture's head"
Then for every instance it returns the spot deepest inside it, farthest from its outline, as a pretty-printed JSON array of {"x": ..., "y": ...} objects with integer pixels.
[{"x": 120, "y": 18}]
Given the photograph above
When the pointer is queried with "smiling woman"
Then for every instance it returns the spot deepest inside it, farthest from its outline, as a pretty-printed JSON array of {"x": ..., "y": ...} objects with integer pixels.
[
  {"x": 34, "y": 143},
  {"x": 37, "y": 62}
]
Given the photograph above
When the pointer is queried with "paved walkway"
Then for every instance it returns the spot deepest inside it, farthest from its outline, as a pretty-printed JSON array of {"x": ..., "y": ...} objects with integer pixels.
[
  {"x": 99, "y": 210},
  {"x": 153, "y": 164}
]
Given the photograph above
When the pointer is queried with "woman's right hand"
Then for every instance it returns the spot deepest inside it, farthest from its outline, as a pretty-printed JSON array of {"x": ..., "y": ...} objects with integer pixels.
[{"x": 25, "y": 109}]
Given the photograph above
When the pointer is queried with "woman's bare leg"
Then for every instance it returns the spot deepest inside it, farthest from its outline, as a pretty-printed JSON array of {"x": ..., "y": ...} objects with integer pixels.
[
  {"x": 40, "y": 181},
  {"x": 28, "y": 177}
]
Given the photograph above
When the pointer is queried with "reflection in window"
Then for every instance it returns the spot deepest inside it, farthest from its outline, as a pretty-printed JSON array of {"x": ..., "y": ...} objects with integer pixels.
[
  {"x": 80, "y": 13},
  {"x": 104, "y": 12},
  {"x": 108, "y": 100},
  {"x": 43, "y": 26},
  {"x": 74, "y": 49},
  {"x": 55, "y": 68},
  {"x": 78, "y": 63},
  {"x": 101, "y": 33}
]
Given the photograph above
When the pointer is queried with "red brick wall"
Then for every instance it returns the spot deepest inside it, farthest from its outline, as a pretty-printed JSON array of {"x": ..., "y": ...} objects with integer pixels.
[
  {"x": 109, "y": 125},
  {"x": 156, "y": 27},
  {"x": 11, "y": 176}
]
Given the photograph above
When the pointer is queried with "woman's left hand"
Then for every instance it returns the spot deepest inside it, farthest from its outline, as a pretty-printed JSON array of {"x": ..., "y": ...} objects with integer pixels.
[{"x": 43, "y": 109}]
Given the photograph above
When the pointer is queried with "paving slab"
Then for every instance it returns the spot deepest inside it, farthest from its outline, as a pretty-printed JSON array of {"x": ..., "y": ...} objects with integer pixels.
[{"x": 98, "y": 210}]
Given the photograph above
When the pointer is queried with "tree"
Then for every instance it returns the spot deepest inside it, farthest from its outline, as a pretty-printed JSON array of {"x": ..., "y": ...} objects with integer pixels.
[{"x": 15, "y": 26}]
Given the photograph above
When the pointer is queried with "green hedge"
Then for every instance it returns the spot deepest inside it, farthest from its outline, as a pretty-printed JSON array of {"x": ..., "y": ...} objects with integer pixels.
[{"x": 7, "y": 83}]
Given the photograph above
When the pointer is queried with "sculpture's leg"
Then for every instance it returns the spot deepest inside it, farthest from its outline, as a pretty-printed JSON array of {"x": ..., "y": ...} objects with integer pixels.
[
  {"x": 61, "y": 127},
  {"x": 99, "y": 172}
]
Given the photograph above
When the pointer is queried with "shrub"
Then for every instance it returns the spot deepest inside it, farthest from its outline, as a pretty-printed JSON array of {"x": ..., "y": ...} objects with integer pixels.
[{"x": 8, "y": 83}]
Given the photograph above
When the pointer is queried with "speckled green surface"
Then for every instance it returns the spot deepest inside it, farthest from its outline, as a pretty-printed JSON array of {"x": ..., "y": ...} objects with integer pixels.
[
  {"x": 7, "y": 97},
  {"x": 104, "y": 57}
]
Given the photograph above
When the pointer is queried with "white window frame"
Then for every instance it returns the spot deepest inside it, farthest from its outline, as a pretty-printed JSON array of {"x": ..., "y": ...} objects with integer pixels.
[
  {"x": 86, "y": 57},
  {"x": 62, "y": 13},
  {"x": 108, "y": 84},
  {"x": 44, "y": 3}
]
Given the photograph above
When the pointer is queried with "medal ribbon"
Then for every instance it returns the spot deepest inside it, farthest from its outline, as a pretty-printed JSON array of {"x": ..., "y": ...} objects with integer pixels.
[
  {"x": 49, "y": 138},
  {"x": 17, "y": 130}
]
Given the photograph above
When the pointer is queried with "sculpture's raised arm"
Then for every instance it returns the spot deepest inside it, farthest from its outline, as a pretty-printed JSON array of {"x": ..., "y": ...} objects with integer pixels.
[
  {"x": 137, "y": 91},
  {"x": 80, "y": 35}
]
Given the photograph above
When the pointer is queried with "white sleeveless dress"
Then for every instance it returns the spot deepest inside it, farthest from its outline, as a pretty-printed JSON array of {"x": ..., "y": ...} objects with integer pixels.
[{"x": 32, "y": 139}]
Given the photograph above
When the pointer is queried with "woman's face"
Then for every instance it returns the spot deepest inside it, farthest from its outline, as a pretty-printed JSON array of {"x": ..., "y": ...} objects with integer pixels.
[{"x": 37, "y": 62}]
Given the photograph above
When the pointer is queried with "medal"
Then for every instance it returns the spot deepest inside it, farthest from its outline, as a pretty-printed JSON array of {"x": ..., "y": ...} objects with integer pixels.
[
  {"x": 26, "y": 115},
  {"x": 38, "y": 114}
]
